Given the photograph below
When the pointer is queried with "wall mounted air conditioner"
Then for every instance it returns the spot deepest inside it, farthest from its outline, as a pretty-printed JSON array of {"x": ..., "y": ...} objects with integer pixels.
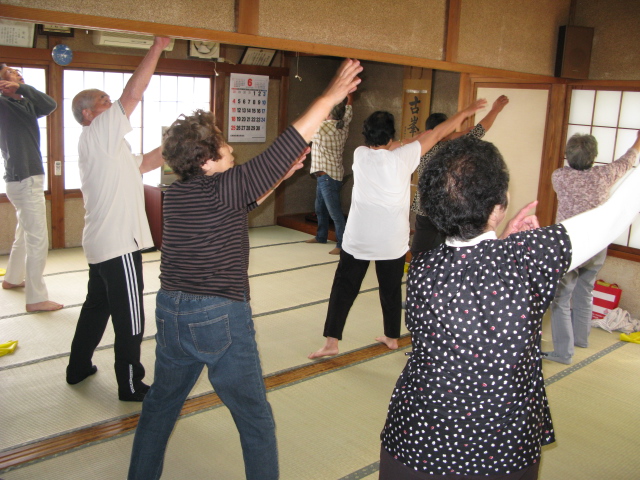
[{"x": 126, "y": 40}]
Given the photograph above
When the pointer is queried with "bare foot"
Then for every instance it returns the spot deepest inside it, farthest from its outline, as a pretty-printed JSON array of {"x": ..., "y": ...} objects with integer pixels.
[
  {"x": 330, "y": 348},
  {"x": 46, "y": 306},
  {"x": 392, "y": 343},
  {"x": 6, "y": 285}
]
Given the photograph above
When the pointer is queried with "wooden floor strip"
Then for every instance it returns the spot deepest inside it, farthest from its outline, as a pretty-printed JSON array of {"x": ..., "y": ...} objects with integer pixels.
[{"x": 42, "y": 449}]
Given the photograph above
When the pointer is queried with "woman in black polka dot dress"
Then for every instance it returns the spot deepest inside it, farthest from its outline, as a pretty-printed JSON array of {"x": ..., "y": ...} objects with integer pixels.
[{"x": 471, "y": 403}]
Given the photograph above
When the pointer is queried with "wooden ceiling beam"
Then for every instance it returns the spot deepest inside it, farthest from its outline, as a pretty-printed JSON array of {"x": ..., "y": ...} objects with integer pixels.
[{"x": 93, "y": 22}]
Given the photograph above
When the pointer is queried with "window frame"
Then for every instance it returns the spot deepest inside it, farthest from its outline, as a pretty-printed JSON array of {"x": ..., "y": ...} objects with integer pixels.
[
  {"x": 75, "y": 192},
  {"x": 619, "y": 251},
  {"x": 22, "y": 64}
]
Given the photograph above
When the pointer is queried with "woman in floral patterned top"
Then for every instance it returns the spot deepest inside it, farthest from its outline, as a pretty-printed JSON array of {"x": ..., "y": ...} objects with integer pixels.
[
  {"x": 426, "y": 236},
  {"x": 471, "y": 402}
]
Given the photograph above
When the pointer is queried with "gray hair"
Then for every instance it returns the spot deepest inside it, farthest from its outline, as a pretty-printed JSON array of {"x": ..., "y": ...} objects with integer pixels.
[
  {"x": 581, "y": 151},
  {"x": 85, "y": 99}
]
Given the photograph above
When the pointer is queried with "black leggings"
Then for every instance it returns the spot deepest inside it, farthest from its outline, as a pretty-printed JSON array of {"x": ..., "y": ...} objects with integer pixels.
[{"x": 346, "y": 286}]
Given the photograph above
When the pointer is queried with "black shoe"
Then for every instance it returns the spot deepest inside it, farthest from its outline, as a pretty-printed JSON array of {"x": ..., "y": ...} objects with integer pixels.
[
  {"x": 73, "y": 380},
  {"x": 136, "y": 396}
]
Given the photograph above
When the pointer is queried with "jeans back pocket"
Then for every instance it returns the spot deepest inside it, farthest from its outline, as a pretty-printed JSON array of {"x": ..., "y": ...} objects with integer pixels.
[{"x": 211, "y": 336}]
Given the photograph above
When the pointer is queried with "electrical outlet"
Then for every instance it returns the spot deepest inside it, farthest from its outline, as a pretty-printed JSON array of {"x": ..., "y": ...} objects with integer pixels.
[{"x": 58, "y": 168}]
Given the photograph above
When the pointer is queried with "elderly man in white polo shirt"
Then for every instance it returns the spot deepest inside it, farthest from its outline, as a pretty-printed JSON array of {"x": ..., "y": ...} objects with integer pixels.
[{"x": 115, "y": 230}]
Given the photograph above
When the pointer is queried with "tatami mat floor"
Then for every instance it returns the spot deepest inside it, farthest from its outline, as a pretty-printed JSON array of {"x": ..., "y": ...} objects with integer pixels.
[{"x": 328, "y": 424}]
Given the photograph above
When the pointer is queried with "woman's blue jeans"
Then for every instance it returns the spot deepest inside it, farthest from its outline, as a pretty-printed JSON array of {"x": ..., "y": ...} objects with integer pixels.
[{"x": 194, "y": 331}]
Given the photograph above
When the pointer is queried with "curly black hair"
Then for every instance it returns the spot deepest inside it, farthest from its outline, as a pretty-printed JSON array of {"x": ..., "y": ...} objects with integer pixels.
[
  {"x": 461, "y": 185},
  {"x": 190, "y": 142},
  {"x": 378, "y": 129}
]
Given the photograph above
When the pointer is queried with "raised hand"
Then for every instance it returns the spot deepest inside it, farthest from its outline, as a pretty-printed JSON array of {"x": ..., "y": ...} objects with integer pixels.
[
  {"x": 344, "y": 82},
  {"x": 298, "y": 164},
  {"x": 475, "y": 106},
  {"x": 522, "y": 222},
  {"x": 8, "y": 88},
  {"x": 500, "y": 103},
  {"x": 161, "y": 42}
]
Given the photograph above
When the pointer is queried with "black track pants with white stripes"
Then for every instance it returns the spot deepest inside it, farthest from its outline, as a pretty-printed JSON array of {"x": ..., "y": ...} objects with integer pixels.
[{"x": 114, "y": 290}]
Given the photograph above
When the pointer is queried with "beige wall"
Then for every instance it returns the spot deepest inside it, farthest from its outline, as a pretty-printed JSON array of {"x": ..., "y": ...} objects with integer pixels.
[
  {"x": 409, "y": 27},
  {"x": 7, "y": 227},
  {"x": 518, "y": 132},
  {"x": 512, "y": 35},
  {"x": 73, "y": 222},
  {"x": 8, "y": 224},
  {"x": 616, "y": 40},
  {"x": 218, "y": 15}
]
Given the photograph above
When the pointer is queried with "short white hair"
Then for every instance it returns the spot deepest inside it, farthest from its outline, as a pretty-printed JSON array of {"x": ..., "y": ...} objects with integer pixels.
[{"x": 84, "y": 99}]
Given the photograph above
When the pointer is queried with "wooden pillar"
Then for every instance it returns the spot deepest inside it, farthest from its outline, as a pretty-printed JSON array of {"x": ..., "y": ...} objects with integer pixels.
[
  {"x": 247, "y": 16},
  {"x": 552, "y": 152},
  {"x": 454, "y": 8},
  {"x": 56, "y": 153}
]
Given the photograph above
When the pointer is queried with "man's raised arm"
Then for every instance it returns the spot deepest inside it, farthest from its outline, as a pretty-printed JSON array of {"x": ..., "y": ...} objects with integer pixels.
[{"x": 137, "y": 84}]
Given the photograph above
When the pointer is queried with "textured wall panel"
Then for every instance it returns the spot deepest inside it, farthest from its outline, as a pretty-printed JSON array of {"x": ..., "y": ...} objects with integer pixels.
[
  {"x": 512, "y": 35},
  {"x": 410, "y": 27},
  {"x": 218, "y": 15},
  {"x": 616, "y": 41}
]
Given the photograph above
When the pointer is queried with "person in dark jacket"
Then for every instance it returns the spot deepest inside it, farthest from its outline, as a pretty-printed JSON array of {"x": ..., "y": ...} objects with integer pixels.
[{"x": 20, "y": 107}]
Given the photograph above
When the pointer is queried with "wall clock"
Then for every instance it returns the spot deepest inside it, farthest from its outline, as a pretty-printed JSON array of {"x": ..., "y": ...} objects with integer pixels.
[{"x": 62, "y": 54}]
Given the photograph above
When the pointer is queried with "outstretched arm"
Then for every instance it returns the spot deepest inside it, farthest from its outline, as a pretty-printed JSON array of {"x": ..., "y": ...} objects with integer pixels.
[
  {"x": 497, "y": 107},
  {"x": 151, "y": 160},
  {"x": 296, "y": 166},
  {"x": 344, "y": 82},
  {"x": 137, "y": 84},
  {"x": 487, "y": 121},
  {"x": 429, "y": 138}
]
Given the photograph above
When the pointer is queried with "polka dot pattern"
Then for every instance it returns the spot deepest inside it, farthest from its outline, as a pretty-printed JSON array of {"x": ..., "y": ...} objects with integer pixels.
[{"x": 471, "y": 399}]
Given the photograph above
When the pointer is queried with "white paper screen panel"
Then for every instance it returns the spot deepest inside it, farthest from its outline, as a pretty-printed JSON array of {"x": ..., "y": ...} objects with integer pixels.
[
  {"x": 630, "y": 110},
  {"x": 607, "y": 109},
  {"x": 582, "y": 102}
]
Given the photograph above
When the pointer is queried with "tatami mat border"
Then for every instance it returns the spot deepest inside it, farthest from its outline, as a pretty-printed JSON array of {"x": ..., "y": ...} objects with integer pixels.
[
  {"x": 592, "y": 358},
  {"x": 149, "y": 337},
  {"x": 123, "y": 425},
  {"x": 273, "y": 272},
  {"x": 363, "y": 472}
]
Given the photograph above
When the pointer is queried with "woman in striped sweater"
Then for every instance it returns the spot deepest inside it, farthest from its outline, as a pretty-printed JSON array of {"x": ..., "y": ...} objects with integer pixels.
[{"x": 202, "y": 309}]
